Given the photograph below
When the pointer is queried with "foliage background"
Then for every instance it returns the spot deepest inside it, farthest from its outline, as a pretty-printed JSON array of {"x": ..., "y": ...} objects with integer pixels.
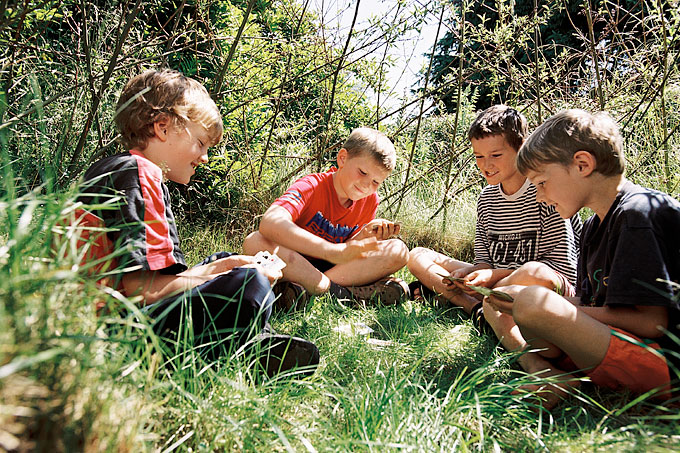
[{"x": 290, "y": 87}]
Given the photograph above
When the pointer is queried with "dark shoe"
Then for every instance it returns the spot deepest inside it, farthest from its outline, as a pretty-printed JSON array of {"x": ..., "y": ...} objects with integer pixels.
[
  {"x": 389, "y": 291},
  {"x": 478, "y": 319},
  {"x": 279, "y": 354},
  {"x": 290, "y": 296},
  {"x": 420, "y": 292}
]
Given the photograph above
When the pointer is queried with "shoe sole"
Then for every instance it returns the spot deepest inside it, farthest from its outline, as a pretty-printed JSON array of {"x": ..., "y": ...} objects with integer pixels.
[
  {"x": 389, "y": 292},
  {"x": 283, "y": 353}
]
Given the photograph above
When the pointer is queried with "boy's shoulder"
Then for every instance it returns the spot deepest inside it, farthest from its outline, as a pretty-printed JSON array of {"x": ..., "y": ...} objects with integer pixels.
[
  {"x": 493, "y": 194},
  {"x": 123, "y": 168},
  {"x": 641, "y": 205},
  {"x": 312, "y": 181},
  {"x": 321, "y": 176}
]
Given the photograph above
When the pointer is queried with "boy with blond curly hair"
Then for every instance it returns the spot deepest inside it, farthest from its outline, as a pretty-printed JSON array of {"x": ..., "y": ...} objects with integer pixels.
[{"x": 167, "y": 122}]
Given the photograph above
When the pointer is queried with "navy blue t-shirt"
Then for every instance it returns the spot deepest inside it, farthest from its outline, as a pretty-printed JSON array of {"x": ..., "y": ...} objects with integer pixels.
[{"x": 629, "y": 257}]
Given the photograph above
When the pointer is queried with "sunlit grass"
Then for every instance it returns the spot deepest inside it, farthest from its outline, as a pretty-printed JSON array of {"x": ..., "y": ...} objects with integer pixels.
[{"x": 416, "y": 377}]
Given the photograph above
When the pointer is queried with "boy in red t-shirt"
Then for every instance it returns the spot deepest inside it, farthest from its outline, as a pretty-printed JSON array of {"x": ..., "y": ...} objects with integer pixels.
[{"x": 324, "y": 228}]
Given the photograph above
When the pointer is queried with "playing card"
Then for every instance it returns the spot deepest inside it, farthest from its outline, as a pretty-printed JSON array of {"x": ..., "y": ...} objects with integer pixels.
[{"x": 269, "y": 260}]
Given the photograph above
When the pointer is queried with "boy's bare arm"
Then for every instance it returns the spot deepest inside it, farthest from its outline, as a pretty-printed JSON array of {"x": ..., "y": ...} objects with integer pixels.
[
  {"x": 277, "y": 225},
  {"x": 640, "y": 320},
  {"x": 154, "y": 286}
]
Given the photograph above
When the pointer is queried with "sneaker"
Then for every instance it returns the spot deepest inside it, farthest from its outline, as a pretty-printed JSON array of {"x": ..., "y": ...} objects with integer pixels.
[
  {"x": 290, "y": 296},
  {"x": 389, "y": 291},
  {"x": 282, "y": 353}
]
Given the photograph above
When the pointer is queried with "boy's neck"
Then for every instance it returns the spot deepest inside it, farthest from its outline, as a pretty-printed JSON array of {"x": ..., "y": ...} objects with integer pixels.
[
  {"x": 604, "y": 190},
  {"x": 511, "y": 185},
  {"x": 343, "y": 200}
]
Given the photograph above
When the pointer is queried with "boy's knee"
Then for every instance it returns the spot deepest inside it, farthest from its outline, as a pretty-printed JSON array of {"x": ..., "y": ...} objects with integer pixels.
[
  {"x": 531, "y": 305},
  {"x": 530, "y": 268},
  {"x": 417, "y": 253},
  {"x": 251, "y": 289},
  {"x": 534, "y": 273},
  {"x": 396, "y": 251},
  {"x": 253, "y": 243}
]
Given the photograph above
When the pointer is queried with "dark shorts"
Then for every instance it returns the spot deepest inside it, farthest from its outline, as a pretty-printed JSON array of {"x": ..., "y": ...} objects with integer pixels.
[
  {"x": 321, "y": 265},
  {"x": 232, "y": 306}
]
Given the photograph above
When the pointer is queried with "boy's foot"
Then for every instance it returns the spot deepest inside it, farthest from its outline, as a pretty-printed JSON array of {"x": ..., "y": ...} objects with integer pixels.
[
  {"x": 389, "y": 291},
  {"x": 290, "y": 296},
  {"x": 282, "y": 353},
  {"x": 550, "y": 394}
]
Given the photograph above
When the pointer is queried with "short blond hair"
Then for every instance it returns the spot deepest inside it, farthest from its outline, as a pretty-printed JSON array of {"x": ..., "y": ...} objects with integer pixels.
[
  {"x": 569, "y": 131},
  {"x": 500, "y": 120},
  {"x": 154, "y": 95},
  {"x": 371, "y": 142}
]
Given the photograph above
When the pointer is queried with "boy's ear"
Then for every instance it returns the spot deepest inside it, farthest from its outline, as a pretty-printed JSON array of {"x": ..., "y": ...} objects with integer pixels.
[
  {"x": 161, "y": 128},
  {"x": 585, "y": 162},
  {"x": 341, "y": 157}
]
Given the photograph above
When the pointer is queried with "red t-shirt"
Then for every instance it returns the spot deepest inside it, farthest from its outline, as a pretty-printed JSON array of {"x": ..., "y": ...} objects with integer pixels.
[
  {"x": 313, "y": 203},
  {"x": 129, "y": 224}
]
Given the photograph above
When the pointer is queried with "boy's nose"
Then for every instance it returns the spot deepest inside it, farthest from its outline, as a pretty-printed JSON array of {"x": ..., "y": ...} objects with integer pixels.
[
  {"x": 204, "y": 158},
  {"x": 540, "y": 197}
]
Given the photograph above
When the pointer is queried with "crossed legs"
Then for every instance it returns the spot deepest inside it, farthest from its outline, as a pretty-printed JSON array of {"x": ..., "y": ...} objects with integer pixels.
[{"x": 392, "y": 255}]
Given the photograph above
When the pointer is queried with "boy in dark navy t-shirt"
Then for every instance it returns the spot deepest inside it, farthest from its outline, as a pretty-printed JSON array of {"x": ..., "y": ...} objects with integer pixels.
[{"x": 619, "y": 329}]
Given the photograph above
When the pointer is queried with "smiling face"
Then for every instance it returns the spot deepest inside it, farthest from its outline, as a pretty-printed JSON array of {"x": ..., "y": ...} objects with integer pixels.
[
  {"x": 357, "y": 176},
  {"x": 495, "y": 158},
  {"x": 178, "y": 150}
]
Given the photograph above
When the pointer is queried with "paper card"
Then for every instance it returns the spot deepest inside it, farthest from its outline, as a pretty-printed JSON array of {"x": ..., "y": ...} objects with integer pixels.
[{"x": 269, "y": 260}]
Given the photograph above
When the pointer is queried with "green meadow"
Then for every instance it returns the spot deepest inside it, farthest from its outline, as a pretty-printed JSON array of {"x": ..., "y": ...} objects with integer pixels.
[{"x": 291, "y": 84}]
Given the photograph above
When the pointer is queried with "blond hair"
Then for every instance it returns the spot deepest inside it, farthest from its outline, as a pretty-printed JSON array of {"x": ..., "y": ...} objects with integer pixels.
[
  {"x": 569, "y": 131},
  {"x": 156, "y": 95},
  {"x": 364, "y": 140},
  {"x": 500, "y": 120}
]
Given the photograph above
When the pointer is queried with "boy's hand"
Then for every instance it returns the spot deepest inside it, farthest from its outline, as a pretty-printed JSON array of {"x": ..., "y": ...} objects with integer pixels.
[
  {"x": 272, "y": 274},
  {"x": 355, "y": 249},
  {"x": 380, "y": 229},
  {"x": 465, "y": 270},
  {"x": 225, "y": 264},
  {"x": 502, "y": 305},
  {"x": 481, "y": 277},
  {"x": 476, "y": 274}
]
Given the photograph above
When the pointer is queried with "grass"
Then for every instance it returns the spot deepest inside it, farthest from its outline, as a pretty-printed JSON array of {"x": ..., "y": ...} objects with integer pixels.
[{"x": 422, "y": 379}]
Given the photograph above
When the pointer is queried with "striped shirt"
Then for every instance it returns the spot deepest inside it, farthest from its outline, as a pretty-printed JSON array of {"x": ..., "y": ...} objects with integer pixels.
[{"x": 515, "y": 229}]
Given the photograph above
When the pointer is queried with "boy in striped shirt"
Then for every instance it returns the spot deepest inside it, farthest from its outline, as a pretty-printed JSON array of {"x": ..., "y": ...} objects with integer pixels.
[{"x": 517, "y": 239}]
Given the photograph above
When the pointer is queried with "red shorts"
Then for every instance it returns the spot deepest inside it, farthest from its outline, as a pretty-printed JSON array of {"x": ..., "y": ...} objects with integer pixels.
[{"x": 630, "y": 363}]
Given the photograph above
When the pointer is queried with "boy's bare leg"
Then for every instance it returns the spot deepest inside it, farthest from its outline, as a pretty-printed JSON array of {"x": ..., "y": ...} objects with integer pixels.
[
  {"x": 547, "y": 319},
  {"x": 392, "y": 255},
  {"x": 425, "y": 264},
  {"x": 298, "y": 269},
  {"x": 511, "y": 338},
  {"x": 532, "y": 273}
]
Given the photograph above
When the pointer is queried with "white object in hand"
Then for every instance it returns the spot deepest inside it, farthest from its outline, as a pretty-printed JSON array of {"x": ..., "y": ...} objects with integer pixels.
[{"x": 269, "y": 260}]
